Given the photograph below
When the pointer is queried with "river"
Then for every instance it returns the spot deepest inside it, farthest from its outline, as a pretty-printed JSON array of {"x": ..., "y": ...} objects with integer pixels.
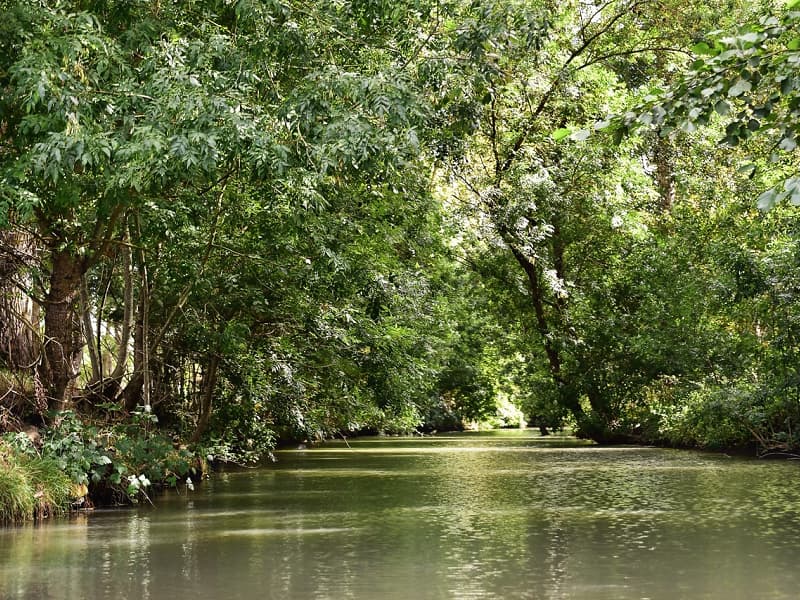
[{"x": 495, "y": 515}]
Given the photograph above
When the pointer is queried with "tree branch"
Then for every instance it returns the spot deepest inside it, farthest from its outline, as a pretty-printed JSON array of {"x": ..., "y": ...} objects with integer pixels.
[{"x": 522, "y": 137}]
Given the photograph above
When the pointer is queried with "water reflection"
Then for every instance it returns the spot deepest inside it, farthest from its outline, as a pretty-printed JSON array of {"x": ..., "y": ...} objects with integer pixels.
[{"x": 472, "y": 516}]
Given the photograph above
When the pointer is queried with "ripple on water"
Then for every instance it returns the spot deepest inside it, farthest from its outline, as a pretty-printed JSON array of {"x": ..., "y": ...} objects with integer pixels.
[
  {"x": 284, "y": 531},
  {"x": 467, "y": 516}
]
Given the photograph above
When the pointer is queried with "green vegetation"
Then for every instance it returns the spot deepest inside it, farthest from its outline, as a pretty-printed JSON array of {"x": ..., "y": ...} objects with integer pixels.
[
  {"x": 75, "y": 463},
  {"x": 230, "y": 223},
  {"x": 31, "y": 486}
]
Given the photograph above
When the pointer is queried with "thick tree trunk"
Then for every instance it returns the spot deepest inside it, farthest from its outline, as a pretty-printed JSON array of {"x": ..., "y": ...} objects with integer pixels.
[{"x": 62, "y": 330}]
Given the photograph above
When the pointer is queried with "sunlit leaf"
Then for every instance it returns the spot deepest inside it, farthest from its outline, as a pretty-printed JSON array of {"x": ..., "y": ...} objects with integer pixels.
[
  {"x": 560, "y": 134},
  {"x": 739, "y": 87},
  {"x": 703, "y": 48}
]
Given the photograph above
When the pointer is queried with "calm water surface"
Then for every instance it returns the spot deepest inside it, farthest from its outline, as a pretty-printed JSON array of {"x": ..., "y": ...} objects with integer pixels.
[{"x": 498, "y": 515}]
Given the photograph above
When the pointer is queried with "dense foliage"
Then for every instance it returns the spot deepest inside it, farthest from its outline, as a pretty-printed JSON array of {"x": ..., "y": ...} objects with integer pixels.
[{"x": 259, "y": 220}]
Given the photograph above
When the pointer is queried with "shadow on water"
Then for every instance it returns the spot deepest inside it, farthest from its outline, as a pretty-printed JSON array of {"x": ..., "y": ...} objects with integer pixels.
[{"x": 488, "y": 515}]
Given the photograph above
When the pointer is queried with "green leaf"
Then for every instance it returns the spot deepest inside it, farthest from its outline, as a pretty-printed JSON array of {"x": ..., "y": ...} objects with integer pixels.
[
  {"x": 762, "y": 112},
  {"x": 766, "y": 201},
  {"x": 740, "y": 87},
  {"x": 792, "y": 190},
  {"x": 722, "y": 108},
  {"x": 748, "y": 170},
  {"x": 750, "y": 37},
  {"x": 560, "y": 134},
  {"x": 731, "y": 140},
  {"x": 703, "y": 48}
]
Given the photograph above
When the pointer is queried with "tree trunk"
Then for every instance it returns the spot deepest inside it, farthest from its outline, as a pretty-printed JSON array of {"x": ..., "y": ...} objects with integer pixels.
[
  {"x": 20, "y": 342},
  {"x": 113, "y": 370},
  {"x": 132, "y": 394},
  {"x": 568, "y": 395},
  {"x": 91, "y": 339},
  {"x": 664, "y": 173},
  {"x": 537, "y": 300},
  {"x": 62, "y": 329},
  {"x": 209, "y": 383},
  {"x": 138, "y": 388},
  {"x": 127, "y": 318}
]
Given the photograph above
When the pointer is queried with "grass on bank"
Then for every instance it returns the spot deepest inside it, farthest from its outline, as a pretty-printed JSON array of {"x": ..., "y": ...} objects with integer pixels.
[{"x": 31, "y": 487}]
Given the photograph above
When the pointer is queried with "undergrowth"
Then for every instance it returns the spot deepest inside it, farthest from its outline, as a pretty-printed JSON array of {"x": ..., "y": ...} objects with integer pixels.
[{"x": 76, "y": 463}]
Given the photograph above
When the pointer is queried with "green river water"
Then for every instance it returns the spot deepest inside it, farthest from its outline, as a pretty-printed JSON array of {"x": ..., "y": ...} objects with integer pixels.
[{"x": 497, "y": 515}]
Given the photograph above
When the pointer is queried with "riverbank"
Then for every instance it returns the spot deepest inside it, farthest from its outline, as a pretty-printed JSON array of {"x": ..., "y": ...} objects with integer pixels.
[
  {"x": 73, "y": 464},
  {"x": 31, "y": 487}
]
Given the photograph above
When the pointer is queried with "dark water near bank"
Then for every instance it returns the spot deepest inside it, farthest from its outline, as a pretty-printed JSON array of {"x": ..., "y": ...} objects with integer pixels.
[{"x": 498, "y": 515}]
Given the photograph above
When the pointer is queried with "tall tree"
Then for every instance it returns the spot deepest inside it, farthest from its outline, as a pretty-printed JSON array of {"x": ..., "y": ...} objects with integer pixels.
[
  {"x": 548, "y": 195},
  {"x": 99, "y": 124}
]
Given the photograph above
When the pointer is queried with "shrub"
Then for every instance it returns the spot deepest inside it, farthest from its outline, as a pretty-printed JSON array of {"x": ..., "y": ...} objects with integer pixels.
[
  {"x": 116, "y": 463},
  {"x": 735, "y": 414},
  {"x": 76, "y": 447}
]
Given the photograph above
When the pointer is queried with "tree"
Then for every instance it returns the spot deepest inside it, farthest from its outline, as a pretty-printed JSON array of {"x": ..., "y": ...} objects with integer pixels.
[
  {"x": 98, "y": 126},
  {"x": 120, "y": 117},
  {"x": 745, "y": 77},
  {"x": 541, "y": 192}
]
